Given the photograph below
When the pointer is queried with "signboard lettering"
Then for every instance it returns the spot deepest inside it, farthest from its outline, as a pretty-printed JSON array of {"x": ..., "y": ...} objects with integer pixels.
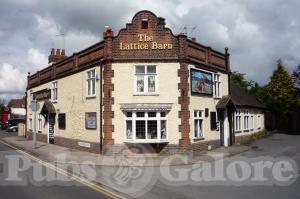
[
  {"x": 145, "y": 42},
  {"x": 42, "y": 95}
]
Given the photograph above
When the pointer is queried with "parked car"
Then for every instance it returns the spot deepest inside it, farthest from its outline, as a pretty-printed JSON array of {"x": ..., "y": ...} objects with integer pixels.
[{"x": 12, "y": 124}]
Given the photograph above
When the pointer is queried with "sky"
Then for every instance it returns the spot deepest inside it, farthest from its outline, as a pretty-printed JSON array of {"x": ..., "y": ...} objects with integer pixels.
[{"x": 256, "y": 32}]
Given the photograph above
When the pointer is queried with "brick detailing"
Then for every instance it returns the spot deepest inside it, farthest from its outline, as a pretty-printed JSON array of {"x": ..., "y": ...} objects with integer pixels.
[
  {"x": 66, "y": 142},
  {"x": 156, "y": 28},
  {"x": 183, "y": 99},
  {"x": 108, "y": 87},
  {"x": 39, "y": 136},
  {"x": 240, "y": 138}
]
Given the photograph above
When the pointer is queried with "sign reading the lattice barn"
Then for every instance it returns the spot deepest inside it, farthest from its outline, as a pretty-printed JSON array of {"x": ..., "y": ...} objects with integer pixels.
[{"x": 145, "y": 42}]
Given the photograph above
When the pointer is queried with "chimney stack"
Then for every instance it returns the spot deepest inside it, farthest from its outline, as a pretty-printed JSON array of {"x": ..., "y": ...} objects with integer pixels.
[{"x": 56, "y": 55}]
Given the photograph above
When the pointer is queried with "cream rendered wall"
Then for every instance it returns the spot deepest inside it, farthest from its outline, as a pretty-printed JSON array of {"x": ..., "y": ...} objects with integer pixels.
[
  {"x": 168, "y": 92},
  {"x": 73, "y": 102},
  {"x": 200, "y": 102},
  {"x": 256, "y": 113}
]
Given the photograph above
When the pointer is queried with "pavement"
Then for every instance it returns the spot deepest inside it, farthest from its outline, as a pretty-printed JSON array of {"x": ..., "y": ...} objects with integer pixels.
[
  {"x": 51, "y": 153},
  {"x": 180, "y": 178},
  {"x": 30, "y": 186}
]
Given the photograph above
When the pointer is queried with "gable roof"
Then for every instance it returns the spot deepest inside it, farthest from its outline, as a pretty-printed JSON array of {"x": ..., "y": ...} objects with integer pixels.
[
  {"x": 17, "y": 103},
  {"x": 239, "y": 98}
]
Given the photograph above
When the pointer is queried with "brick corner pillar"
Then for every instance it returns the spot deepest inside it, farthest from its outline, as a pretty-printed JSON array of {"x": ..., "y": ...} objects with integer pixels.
[
  {"x": 183, "y": 99},
  {"x": 108, "y": 100}
]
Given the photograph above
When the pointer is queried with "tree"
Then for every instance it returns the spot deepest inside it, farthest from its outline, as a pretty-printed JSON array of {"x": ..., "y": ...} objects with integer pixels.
[
  {"x": 296, "y": 76},
  {"x": 239, "y": 79},
  {"x": 280, "y": 94}
]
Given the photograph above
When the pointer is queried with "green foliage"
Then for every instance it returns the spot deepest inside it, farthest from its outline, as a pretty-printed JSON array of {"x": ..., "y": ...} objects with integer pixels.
[
  {"x": 239, "y": 79},
  {"x": 261, "y": 134},
  {"x": 280, "y": 93},
  {"x": 296, "y": 76}
]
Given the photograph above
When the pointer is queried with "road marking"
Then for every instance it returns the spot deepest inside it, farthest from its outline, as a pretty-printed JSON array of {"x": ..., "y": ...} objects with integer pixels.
[{"x": 81, "y": 180}]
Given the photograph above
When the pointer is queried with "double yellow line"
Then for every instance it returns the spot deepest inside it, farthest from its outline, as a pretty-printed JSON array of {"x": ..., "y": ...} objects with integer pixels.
[{"x": 81, "y": 180}]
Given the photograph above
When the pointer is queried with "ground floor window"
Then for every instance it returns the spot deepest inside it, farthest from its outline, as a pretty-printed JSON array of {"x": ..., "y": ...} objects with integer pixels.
[
  {"x": 258, "y": 122},
  {"x": 146, "y": 125},
  {"x": 198, "y": 127},
  {"x": 237, "y": 121},
  {"x": 30, "y": 123},
  {"x": 246, "y": 120},
  {"x": 39, "y": 122}
]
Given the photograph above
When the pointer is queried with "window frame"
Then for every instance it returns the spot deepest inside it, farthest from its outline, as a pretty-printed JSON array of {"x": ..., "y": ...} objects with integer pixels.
[
  {"x": 40, "y": 122},
  {"x": 238, "y": 114},
  {"x": 92, "y": 80},
  {"x": 202, "y": 121},
  {"x": 217, "y": 81},
  {"x": 145, "y": 80},
  {"x": 258, "y": 121},
  {"x": 54, "y": 89},
  {"x": 246, "y": 120},
  {"x": 146, "y": 118}
]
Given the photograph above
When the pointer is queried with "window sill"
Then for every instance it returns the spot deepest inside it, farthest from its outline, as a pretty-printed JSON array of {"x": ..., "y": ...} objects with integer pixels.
[
  {"x": 54, "y": 101},
  {"x": 145, "y": 94},
  {"x": 146, "y": 141},
  {"x": 239, "y": 131},
  {"x": 217, "y": 97},
  {"x": 198, "y": 139},
  {"x": 90, "y": 96}
]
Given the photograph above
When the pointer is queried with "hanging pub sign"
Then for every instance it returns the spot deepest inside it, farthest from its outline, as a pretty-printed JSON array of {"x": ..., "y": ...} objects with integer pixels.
[
  {"x": 90, "y": 120},
  {"x": 42, "y": 95},
  {"x": 145, "y": 42},
  {"x": 201, "y": 82}
]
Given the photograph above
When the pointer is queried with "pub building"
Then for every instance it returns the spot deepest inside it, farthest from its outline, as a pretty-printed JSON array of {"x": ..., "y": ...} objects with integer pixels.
[{"x": 142, "y": 87}]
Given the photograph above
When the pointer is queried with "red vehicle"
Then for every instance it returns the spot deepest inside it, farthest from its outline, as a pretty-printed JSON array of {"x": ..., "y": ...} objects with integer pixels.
[{"x": 4, "y": 117}]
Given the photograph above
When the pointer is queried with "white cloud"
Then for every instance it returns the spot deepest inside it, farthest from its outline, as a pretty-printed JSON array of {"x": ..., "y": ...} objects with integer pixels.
[
  {"x": 36, "y": 60},
  {"x": 12, "y": 80}
]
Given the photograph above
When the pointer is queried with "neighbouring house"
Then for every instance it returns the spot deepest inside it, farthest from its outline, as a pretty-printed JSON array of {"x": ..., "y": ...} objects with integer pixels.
[
  {"x": 247, "y": 113},
  {"x": 142, "y": 87},
  {"x": 17, "y": 108}
]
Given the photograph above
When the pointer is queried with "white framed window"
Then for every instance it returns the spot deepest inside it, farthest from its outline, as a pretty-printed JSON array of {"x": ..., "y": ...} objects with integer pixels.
[
  {"x": 91, "y": 83},
  {"x": 39, "y": 122},
  {"x": 216, "y": 85},
  {"x": 54, "y": 91},
  {"x": 31, "y": 96},
  {"x": 30, "y": 123},
  {"x": 145, "y": 79},
  {"x": 198, "y": 124},
  {"x": 251, "y": 121},
  {"x": 237, "y": 121},
  {"x": 246, "y": 120},
  {"x": 146, "y": 126},
  {"x": 258, "y": 122}
]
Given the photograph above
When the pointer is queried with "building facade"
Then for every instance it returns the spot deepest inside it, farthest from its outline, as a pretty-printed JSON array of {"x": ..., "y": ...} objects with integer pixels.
[{"x": 143, "y": 87}]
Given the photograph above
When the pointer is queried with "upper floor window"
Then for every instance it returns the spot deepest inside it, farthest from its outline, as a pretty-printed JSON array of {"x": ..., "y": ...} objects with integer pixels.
[
  {"x": 198, "y": 127},
  {"x": 54, "y": 91},
  {"x": 91, "y": 83},
  {"x": 216, "y": 85},
  {"x": 145, "y": 79}
]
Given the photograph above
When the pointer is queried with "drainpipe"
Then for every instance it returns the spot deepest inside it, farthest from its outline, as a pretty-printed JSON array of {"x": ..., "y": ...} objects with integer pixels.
[{"x": 101, "y": 104}]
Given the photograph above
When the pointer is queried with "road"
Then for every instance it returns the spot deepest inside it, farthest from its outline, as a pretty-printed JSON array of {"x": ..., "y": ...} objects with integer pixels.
[
  {"x": 152, "y": 184},
  {"x": 54, "y": 189}
]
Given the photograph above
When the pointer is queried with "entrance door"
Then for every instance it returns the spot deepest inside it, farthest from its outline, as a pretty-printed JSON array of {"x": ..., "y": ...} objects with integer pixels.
[{"x": 51, "y": 121}]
